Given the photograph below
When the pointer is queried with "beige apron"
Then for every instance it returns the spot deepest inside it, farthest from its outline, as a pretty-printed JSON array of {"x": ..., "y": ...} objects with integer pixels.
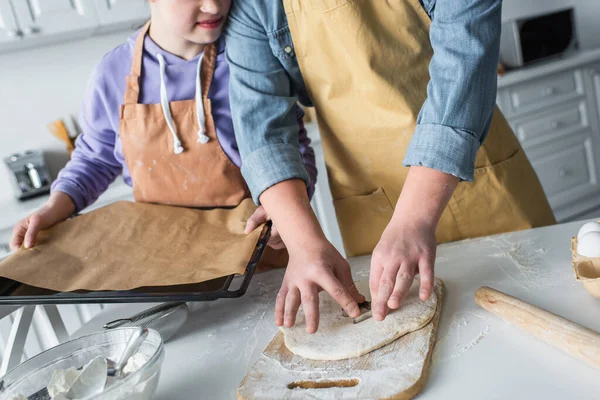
[
  {"x": 365, "y": 64},
  {"x": 202, "y": 175}
]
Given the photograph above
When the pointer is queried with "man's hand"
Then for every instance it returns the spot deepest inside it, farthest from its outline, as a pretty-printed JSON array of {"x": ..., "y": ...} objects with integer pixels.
[
  {"x": 314, "y": 264},
  {"x": 260, "y": 217},
  {"x": 408, "y": 244},
  {"x": 58, "y": 208},
  {"x": 404, "y": 250},
  {"x": 309, "y": 271}
]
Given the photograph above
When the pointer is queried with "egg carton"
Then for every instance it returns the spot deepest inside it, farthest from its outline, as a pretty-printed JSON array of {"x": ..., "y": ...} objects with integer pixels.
[{"x": 587, "y": 270}]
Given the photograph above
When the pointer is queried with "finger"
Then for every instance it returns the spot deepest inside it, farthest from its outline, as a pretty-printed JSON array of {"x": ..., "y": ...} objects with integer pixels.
[
  {"x": 404, "y": 280},
  {"x": 292, "y": 303},
  {"x": 256, "y": 219},
  {"x": 426, "y": 268},
  {"x": 310, "y": 305},
  {"x": 32, "y": 231},
  {"x": 384, "y": 291},
  {"x": 375, "y": 277},
  {"x": 18, "y": 235},
  {"x": 280, "y": 306},
  {"x": 339, "y": 293},
  {"x": 345, "y": 276}
]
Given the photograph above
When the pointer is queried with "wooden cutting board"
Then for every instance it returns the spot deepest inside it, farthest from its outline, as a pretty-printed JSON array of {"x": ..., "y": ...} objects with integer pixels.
[{"x": 396, "y": 371}]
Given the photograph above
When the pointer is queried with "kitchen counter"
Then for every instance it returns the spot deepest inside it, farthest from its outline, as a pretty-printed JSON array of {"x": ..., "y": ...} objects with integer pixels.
[
  {"x": 552, "y": 65},
  {"x": 477, "y": 354},
  {"x": 13, "y": 210}
]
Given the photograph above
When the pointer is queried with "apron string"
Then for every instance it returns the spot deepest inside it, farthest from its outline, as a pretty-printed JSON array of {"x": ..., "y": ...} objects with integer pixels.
[{"x": 132, "y": 90}]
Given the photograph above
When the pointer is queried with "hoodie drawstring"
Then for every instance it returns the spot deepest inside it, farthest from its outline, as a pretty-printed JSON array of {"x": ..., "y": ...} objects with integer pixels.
[{"x": 164, "y": 102}]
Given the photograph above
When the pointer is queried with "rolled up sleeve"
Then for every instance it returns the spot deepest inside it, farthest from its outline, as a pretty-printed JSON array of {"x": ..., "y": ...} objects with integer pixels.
[
  {"x": 263, "y": 106},
  {"x": 461, "y": 94}
]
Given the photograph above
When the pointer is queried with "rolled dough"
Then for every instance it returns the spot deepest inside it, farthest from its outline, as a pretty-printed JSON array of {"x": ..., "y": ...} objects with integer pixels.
[{"x": 339, "y": 338}]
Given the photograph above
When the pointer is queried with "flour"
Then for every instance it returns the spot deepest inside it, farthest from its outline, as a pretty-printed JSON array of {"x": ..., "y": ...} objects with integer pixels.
[
  {"x": 465, "y": 332},
  {"x": 338, "y": 337},
  {"x": 380, "y": 374},
  {"x": 527, "y": 263},
  {"x": 62, "y": 380}
]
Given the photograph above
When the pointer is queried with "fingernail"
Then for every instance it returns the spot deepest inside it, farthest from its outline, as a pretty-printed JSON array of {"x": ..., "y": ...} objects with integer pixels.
[{"x": 27, "y": 245}]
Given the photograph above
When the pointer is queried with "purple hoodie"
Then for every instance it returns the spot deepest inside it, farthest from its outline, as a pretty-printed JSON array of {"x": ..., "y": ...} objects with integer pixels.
[{"x": 98, "y": 158}]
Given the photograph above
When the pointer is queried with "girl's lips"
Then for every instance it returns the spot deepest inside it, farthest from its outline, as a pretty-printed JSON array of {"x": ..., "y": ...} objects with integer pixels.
[{"x": 211, "y": 24}]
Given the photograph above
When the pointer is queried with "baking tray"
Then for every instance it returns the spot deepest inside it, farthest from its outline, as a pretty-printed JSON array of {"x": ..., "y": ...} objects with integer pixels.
[{"x": 16, "y": 293}]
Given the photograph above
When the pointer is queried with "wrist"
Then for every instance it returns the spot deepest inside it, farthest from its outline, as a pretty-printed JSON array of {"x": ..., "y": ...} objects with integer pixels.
[
  {"x": 289, "y": 208},
  {"x": 60, "y": 205},
  {"x": 424, "y": 197}
]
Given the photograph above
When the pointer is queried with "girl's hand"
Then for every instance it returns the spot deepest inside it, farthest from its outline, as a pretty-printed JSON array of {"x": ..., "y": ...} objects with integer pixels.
[
  {"x": 57, "y": 209},
  {"x": 260, "y": 217}
]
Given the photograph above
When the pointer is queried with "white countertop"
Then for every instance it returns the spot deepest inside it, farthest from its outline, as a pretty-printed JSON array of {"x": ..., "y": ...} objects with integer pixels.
[
  {"x": 555, "y": 64},
  {"x": 477, "y": 356}
]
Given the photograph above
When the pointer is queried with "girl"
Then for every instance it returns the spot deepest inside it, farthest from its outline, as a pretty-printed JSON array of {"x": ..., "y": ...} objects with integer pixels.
[{"x": 157, "y": 110}]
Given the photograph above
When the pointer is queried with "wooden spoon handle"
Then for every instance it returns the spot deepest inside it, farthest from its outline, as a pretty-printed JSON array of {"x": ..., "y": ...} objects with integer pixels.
[{"x": 575, "y": 340}]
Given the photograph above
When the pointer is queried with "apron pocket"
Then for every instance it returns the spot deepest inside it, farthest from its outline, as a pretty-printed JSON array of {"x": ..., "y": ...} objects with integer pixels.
[
  {"x": 362, "y": 220},
  {"x": 326, "y": 5},
  {"x": 505, "y": 197}
]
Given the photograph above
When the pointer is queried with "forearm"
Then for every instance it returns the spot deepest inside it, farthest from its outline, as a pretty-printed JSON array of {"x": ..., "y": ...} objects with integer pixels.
[
  {"x": 288, "y": 206},
  {"x": 425, "y": 195},
  {"x": 461, "y": 93},
  {"x": 61, "y": 206}
]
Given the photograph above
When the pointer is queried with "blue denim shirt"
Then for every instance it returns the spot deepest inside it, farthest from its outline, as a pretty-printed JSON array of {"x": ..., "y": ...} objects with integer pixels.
[{"x": 266, "y": 82}]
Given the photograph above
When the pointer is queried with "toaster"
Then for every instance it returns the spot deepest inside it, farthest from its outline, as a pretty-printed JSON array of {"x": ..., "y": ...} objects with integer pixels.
[{"x": 30, "y": 174}]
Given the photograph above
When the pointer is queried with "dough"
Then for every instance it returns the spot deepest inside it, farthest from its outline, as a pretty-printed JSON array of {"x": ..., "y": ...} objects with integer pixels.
[{"x": 339, "y": 338}]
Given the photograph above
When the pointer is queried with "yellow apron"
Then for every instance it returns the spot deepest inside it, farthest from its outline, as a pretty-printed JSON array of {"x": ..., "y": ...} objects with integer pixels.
[{"x": 365, "y": 64}]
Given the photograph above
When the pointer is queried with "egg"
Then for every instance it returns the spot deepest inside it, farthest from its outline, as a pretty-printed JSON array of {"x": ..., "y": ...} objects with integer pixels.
[
  {"x": 589, "y": 245},
  {"x": 588, "y": 227}
]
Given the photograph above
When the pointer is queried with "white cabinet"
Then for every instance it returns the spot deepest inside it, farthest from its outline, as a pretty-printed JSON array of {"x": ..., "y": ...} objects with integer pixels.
[
  {"x": 554, "y": 109},
  {"x": 30, "y": 23},
  {"x": 54, "y": 17},
  {"x": 122, "y": 12},
  {"x": 10, "y": 32}
]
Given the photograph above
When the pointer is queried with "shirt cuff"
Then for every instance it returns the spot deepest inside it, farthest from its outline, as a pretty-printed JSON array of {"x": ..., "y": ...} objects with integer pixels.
[
  {"x": 271, "y": 165},
  {"x": 71, "y": 190},
  {"x": 443, "y": 148}
]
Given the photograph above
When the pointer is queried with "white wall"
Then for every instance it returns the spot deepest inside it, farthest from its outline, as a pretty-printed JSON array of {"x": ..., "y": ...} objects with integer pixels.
[{"x": 38, "y": 86}]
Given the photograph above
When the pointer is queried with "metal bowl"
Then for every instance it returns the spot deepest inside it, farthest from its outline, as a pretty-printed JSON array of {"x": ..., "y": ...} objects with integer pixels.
[{"x": 34, "y": 374}]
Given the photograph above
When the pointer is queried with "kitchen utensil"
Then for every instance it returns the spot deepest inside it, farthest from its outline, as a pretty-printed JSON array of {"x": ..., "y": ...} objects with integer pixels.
[
  {"x": 575, "y": 340},
  {"x": 137, "y": 338},
  {"x": 365, "y": 312},
  {"x": 35, "y": 373},
  {"x": 91, "y": 381},
  {"x": 166, "y": 319},
  {"x": 60, "y": 131},
  {"x": 398, "y": 370},
  {"x": 13, "y": 292}
]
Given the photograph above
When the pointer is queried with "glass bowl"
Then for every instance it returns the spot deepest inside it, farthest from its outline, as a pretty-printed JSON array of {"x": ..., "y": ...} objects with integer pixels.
[{"x": 35, "y": 373}]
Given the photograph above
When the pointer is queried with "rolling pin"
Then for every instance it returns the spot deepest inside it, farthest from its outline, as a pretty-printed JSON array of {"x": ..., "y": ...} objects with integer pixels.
[{"x": 575, "y": 340}]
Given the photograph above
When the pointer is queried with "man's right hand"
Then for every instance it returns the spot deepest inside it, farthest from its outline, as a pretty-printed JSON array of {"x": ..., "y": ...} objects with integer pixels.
[
  {"x": 57, "y": 209},
  {"x": 310, "y": 270},
  {"x": 314, "y": 263}
]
